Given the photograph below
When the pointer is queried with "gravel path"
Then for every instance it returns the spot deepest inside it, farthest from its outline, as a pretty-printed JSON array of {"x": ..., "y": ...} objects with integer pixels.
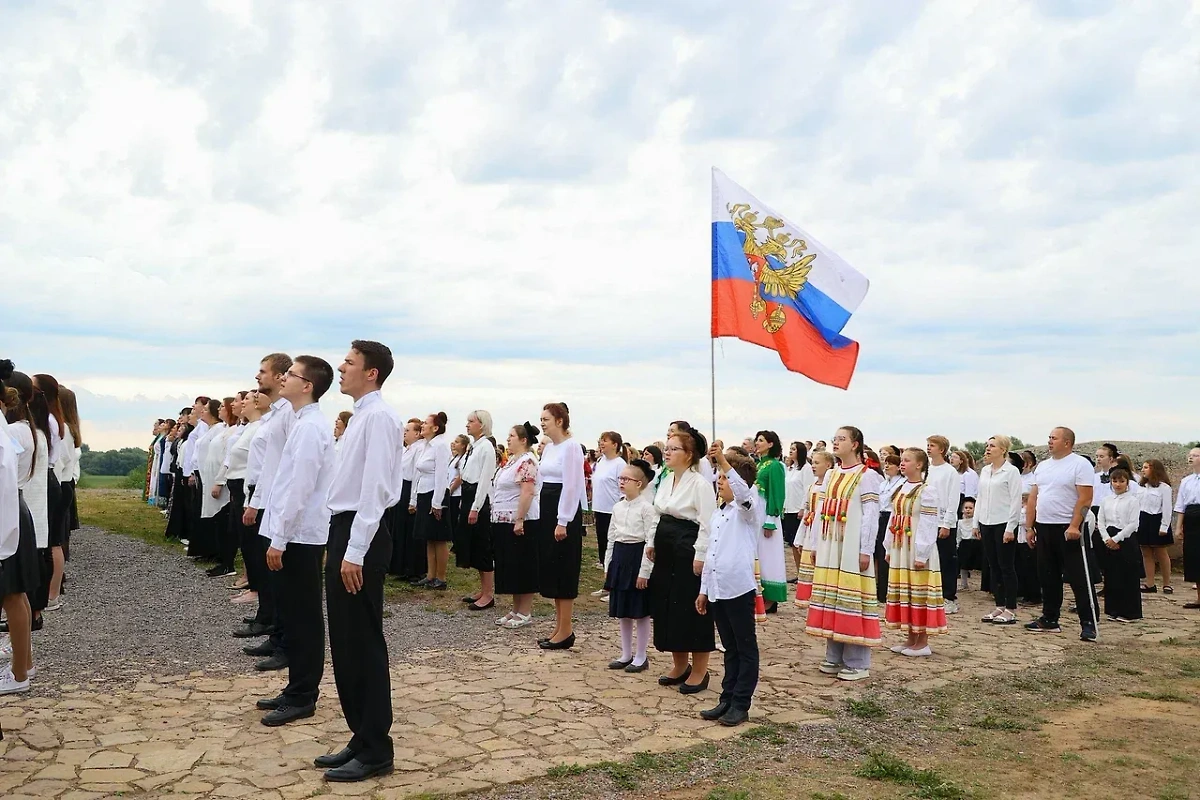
[{"x": 133, "y": 610}]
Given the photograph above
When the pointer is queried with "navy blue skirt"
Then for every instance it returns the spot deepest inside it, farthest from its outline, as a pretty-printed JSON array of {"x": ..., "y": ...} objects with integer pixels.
[{"x": 625, "y": 600}]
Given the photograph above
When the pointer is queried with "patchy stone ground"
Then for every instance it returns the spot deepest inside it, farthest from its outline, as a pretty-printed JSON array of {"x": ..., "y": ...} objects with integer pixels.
[{"x": 491, "y": 711}]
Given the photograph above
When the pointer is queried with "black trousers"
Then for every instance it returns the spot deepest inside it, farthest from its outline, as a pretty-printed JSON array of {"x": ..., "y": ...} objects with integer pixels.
[
  {"x": 300, "y": 594},
  {"x": 356, "y": 641},
  {"x": 735, "y": 624},
  {"x": 1001, "y": 559},
  {"x": 602, "y": 522},
  {"x": 230, "y": 535},
  {"x": 948, "y": 556},
  {"x": 1057, "y": 557},
  {"x": 1122, "y": 578},
  {"x": 1029, "y": 584},
  {"x": 881, "y": 564}
]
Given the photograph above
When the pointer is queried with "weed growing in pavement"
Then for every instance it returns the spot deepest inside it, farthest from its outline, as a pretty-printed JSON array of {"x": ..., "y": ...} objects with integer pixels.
[{"x": 867, "y": 708}]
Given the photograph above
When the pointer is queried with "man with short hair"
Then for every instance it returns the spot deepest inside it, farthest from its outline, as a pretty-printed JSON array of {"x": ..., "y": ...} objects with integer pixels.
[
  {"x": 945, "y": 477},
  {"x": 1060, "y": 497},
  {"x": 265, "y": 450},
  {"x": 366, "y": 482},
  {"x": 297, "y": 522}
]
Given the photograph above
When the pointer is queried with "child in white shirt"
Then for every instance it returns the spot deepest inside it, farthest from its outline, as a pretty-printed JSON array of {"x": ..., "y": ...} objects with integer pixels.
[
  {"x": 626, "y": 568},
  {"x": 969, "y": 549}
]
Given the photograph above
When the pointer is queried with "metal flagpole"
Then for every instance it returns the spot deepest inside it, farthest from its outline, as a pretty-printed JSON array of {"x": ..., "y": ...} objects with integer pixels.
[{"x": 712, "y": 373}]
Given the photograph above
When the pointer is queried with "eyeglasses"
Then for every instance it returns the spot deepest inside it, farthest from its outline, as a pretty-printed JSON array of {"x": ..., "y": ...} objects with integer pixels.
[
  {"x": 672, "y": 449},
  {"x": 623, "y": 479},
  {"x": 841, "y": 438},
  {"x": 290, "y": 374}
]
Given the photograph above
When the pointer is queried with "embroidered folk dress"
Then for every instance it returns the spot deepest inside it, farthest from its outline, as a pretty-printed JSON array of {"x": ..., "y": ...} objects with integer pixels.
[
  {"x": 807, "y": 538},
  {"x": 843, "y": 607},
  {"x": 914, "y": 596},
  {"x": 771, "y": 482}
]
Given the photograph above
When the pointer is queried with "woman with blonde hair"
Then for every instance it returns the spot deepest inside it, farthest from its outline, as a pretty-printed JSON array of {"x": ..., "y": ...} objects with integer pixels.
[
  {"x": 474, "y": 548},
  {"x": 996, "y": 523}
]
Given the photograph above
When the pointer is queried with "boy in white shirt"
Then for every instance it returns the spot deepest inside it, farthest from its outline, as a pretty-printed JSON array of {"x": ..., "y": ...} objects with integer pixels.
[{"x": 728, "y": 582}]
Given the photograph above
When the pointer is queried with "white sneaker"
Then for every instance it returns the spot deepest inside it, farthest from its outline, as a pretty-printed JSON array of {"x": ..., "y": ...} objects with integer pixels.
[
  {"x": 923, "y": 652},
  {"x": 601, "y": 593},
  {"x": 853, "y": 674},
  {"x": 951, "y": 606},
  {"x": 830, "y": 668},
  {"x": 10, "y": 685},
  {"x": 519, "y": 621}
]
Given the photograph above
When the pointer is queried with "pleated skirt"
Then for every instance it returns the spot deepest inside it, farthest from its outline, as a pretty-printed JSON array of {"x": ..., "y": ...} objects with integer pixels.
[
  {"x": 21, "y": 572},
  {"x": 625, "y": 600},
  {"x": 673, "y": 589}
]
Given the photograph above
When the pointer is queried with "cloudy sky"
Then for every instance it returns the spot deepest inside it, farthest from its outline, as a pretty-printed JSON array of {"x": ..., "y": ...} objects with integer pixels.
[{"x": 515, "y": 197}]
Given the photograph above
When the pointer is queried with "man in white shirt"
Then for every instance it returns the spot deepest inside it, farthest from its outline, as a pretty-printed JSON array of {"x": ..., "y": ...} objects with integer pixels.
[
  {"x": 298, "y": 516},
  {"x": 261, "y": 466},
  {"x": 1060, "y": 497},
  {"x": 945, "y": 477},
  {"x": 366, "y": 482}
]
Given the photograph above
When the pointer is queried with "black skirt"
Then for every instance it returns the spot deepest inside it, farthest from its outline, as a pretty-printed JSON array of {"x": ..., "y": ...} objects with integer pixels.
[
  {"x": 1148, "y": 531},
  {"x": 70, "y": 506},
  {"x": 558, "y": 562},
  {"x": 970, "y": 554},
  {"x": 516, "y": 558},
  {"x": 399, "y": 523},
  {"x": 791, "y": 524},
  {"x": 21, "y": 572},
  {"x": 624, "y": 598},
  {"x": 462, "y": 533},
  {"x": 56, "y": 519},
  {"x": 477, "y": 537},
  {"x": 1191, "y": 543},
  {"x": 673, "y": 589},
  {"x": 426, "y": 527}
]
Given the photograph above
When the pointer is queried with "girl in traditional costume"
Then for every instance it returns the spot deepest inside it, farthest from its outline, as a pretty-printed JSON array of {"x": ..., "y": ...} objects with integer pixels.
[
  {"x": 844, "y": 610},
  {"x": 809, "y": 533},
  {"x": 914, "y": 598},
  {"x": 771, "y": 480}
]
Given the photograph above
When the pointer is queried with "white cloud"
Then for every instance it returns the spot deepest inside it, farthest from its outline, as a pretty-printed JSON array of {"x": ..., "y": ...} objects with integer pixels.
[{"x": 514, "y": 196}]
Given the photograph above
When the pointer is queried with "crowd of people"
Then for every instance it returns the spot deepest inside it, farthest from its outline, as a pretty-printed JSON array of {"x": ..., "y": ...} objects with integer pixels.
[
  {"x": 693, "y": 537},
  {"x": 40, "y": 446}
]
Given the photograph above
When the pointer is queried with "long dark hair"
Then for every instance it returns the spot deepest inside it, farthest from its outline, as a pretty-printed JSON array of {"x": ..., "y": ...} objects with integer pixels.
[
  {"x": 27, "y": 404},
  {"x": 49, "y": 387}
]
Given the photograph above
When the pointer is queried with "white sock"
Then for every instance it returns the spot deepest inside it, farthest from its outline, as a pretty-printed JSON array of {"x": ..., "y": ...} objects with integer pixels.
[
  {"x": 626, "y": 638},
  {"x": 643, "y": 640}
]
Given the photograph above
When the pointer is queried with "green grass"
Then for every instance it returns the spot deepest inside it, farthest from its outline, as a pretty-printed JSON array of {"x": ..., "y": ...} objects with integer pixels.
[
  {"x": 991, "y": 722},
  {"x": 867, "y": 708},
  {"x": 123, "y": 511},
  {"x": 723, "y": 793},
  {"x": 1162, "y": 696},
  {"x": 925, "y": 783},
  {"x": 87, "y": 481}
]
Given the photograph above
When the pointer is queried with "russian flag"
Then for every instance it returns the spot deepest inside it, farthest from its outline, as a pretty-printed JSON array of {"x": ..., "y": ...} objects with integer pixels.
[{"x": 775, "y": 286}]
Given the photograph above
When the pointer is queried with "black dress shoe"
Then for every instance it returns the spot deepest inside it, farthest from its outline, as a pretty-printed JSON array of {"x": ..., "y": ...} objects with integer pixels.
[
  {"x": 734, "y": 716},
  {"x": 421, "y": 581},
  {"x": 773, "y": 608},
  {"x": 273, "y": 663},
  {"x": 565, "y": 644},
  {"x": 617, "y": 663},
  {"x": 468, "y": 599},
  {"x": 667, "y": 680},
  {"x": 437, "y": 584},
  {"x": 254, "y": 629},
  {"x": 716, "y": 712},
  {"x": 355, "y": 770},
  {"x": 642, "y": 667},
  {"x": 264, "y": 650},
  {"x": 285, "y": 714},
  {"x": 269, "y": 703},
  {"x": 475, "y": 607},
  {"x": 335, "y": 760},
  {"x": 249, "y": 620},
  {"x": 688, "y": 688}
]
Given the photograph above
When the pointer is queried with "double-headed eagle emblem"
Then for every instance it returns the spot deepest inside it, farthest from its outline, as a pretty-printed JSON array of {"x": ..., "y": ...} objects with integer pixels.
[{"x": 778, "y": 262}]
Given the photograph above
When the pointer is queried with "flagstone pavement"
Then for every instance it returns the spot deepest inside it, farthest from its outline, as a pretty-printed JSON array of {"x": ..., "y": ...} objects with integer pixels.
[{"x": 467, "y": 719}]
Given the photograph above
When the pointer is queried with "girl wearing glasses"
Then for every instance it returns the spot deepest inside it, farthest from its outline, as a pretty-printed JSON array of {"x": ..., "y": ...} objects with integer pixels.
[{"x": 626, "y": 567}]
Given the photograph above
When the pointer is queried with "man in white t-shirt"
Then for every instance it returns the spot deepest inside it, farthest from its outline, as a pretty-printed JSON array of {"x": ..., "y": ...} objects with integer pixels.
[{"x": 1060, "y": 497}]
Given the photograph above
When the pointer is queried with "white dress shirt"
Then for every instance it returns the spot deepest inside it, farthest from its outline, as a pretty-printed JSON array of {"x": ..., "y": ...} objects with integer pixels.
[
  {"x": 606, "y": 487},
  {"x": 479, "y": 469},
  {"x": 274, "y": 434},
  {"x": 237, "y": 460},
  {"x": 1157, "y": 500},
  {"x": 1101, "y": 489},
  {"x": 298, "y": 503},
  {"x": 1122, "y": 511},
  {"x": 367, "y": 479},
  {"x": 10, "y": 506},
  {"x": 453, "y": 473},
  {"x": 212, "y": 458},
  {"x": 191, "y": 460},
  {"x": 887, "y": 491},
  {"x": 563, "y": 463},
  {"x": 633, "y": 522},
  {"x": 948, "y": 483},
  {"x": 968, "y": 485},
  {"x": 1189, "y": 493},
  {"x": 796, "y": 486},
  {"x": 68, "y": 460},
  {"x": 999, "y": 497},
  {"x": 55, "y": 441},
  {"x": 692, "y": 499},
  {"x": 32, "y": 477},
  {"x": 408, "y": 467},
  {"x": 432, "y": 460},
  {"x": 733, "y": 543}
]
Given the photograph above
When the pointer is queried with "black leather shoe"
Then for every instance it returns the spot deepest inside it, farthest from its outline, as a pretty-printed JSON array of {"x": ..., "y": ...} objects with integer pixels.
[
  {"x": 468, "y": 599},
  {"x": 264, "y": 650},
  {"x": 421, "y": 581},
  {"x": 617, "y": 663},
  {"x": 734, "y": 716},
  {"x": 335, "y": 760},
  {"x": 269, "y": 703},
  {"x": 688, "y": 688},
  {"x": 355, "y": 770},
  {"x": 285, "y": 714},
  {"x": 249, "y": 620},
  {"x": 254, "y": 629},
  {"x": 716, "y": 712},
  {"x": 642, "y": 667},
  {"x": 437, "y": 584},
  {"x": 773, "y": 608},
  {"x": 565, "y": 644},
  {"x": 271, "y": 664},
  {"x": 667, "y": 680},
  {"x": 476, "y": 607}
]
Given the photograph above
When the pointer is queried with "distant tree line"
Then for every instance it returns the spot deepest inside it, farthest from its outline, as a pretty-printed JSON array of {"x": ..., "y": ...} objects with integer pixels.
[{"x": 112, "y": 462}]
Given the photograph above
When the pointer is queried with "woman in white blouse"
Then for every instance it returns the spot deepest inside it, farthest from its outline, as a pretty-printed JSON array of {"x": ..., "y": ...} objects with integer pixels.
[
  {"x": 997, "y": 517},
  {"x": 968, "y": 484},
  {"x": 47, "y": 389},
  {"x": 1154, "y": 528},
  {"x": 685, "y": 502},
  {"x": 475, "y": 522},
  {"x": 408, "y": 559},
  {"x": 797, "y": 480},
  {"x": 432, "y": 461},
  {"x": 606, "y": 490},
  {"x": 458, "y": 459},
  {"x": 515, "y": 510},
  {"x": 210, "y": 455},
  {"x": 202, "y": 542},
  {"x": 66, "y": 469},
  {"x": 29, "y": 427},
  {"x": 233, "y": 476},
  {"x": 560, "y": 530}
]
